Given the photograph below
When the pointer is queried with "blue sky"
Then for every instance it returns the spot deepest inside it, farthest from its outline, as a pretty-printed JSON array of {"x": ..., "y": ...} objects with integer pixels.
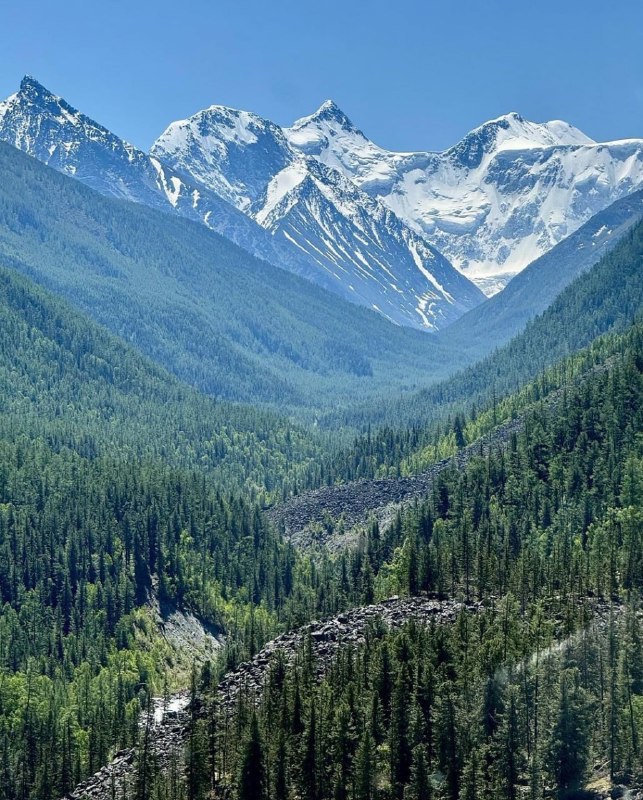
[{"x": 412, "y": 75}]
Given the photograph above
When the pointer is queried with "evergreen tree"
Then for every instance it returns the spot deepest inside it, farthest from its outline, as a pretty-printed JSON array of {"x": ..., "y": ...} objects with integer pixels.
[{"x": 251, "y": 778}]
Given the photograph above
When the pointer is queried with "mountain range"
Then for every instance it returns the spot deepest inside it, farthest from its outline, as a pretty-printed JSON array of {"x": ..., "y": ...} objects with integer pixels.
[
  {"x": 261, "y": 540},
  {"x": 220, "y": 319},
  {"x": 413, "y": 236},
  {"x": 324, "y": 229},
  {"x": 497, "y": 200}
]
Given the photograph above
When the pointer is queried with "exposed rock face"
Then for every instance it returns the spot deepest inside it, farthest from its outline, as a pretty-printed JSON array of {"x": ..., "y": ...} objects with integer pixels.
[
  {"x": 327, "y": 637},
  {"x": 186, "y": 633}
]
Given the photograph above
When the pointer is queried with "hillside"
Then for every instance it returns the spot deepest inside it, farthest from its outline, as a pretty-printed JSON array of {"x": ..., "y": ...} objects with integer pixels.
[
  {"x": 609, "y": 297},
  {"x": 67, "y": 381},
  {"x": 223, "y": 321},
  {"x": 529, "y": 293},
  {"x": 514, "y": 624}
]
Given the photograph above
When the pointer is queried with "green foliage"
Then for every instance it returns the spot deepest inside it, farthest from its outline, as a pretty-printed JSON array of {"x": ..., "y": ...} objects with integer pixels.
[
  {"x": 550, "y": 716},
  {"x": 67, "y": 381},
  {"x": 251, "y": 783},
  {"x": 526, "y": 692},
  {"x": 120, "y": 485},
  {"x": 558, "y": 512}
]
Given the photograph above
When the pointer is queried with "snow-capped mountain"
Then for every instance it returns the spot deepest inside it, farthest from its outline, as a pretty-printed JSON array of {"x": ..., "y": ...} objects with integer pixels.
[
  {"x": 498, "y": 319},
  {"x": 497, "y": 200},
  {"x": 390, "y": 268},
  {"x": 46, "y": 127},
  {"x": 353, "y": 238}
]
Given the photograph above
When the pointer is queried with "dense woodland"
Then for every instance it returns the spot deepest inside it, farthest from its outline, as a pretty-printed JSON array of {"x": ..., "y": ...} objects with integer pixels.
[
  {"x": 549, "y": 536},
  {"x": 483, "y": 708},
  {"x": 540, "y": 530},
  {"x": 70, "y": 383}
]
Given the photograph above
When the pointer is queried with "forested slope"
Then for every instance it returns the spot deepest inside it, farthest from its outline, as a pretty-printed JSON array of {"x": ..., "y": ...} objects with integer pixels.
[
  {"x": 538, "y": 692},
  {"x": 538, "y": 535},
  {"x": 67, "y": 380},
  {"x": 609, "y": 297},
  {"x": 221, "y": 320},
  {"x": 122, "y": 488}
]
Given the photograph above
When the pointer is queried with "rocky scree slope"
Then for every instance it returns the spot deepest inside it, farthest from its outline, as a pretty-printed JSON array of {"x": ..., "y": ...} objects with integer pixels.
[
  {"x": 301, "y": 516},
  {"x": 163, "y": 730}
]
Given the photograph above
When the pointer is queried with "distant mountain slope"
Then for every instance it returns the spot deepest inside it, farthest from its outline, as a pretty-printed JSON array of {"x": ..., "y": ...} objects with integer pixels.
[
  {"x": 607, "y": 298},
  {"x": 232, "y": 325},
  {"x": 504, "y": 315},
  {"x": 353, "y": 238},
  {"x": 346, "y": 242},
  {"x": 70, "y": 383},
  {"x": 497, "y": 200}
]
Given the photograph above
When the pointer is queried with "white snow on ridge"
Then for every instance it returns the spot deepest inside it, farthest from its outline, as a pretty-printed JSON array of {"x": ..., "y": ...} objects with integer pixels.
[
  {"x": 352, "y": 237},
  {"x": 500, "y": 198},
  {"x": 324, "y": 201},
  {"x": 279, "y": 186}
]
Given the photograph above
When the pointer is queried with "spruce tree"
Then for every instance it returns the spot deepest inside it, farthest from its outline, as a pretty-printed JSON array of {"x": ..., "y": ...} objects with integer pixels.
[{"x": 251, "y": 779}]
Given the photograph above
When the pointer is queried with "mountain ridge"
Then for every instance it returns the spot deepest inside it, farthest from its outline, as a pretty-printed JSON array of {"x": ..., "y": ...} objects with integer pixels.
[
  {"x": 350, "y": 235},
  {"x": 231, "y": 325},
  {"x": 493, "y": 202},
  {"x": 529, "y": 293},
  {"x": 50, "y": 129}
]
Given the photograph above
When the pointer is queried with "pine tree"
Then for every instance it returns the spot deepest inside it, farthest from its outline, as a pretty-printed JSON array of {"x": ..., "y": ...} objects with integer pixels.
[
  {"x": 569, "y": 744},
  {"x": 365, "y": 768},
  {"x": 507, "y": 761},
  {"x": 309, "y": 763},
  {"x": 419, "y": 787},
  {"x": 399, "y": 746}
]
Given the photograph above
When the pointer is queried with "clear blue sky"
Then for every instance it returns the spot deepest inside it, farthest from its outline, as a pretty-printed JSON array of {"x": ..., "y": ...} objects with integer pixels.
[{"x": 411, "y": 74}]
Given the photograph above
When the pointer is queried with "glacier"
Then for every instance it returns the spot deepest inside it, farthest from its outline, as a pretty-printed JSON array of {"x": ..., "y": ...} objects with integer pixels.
[{"x": 493, "y": 203}]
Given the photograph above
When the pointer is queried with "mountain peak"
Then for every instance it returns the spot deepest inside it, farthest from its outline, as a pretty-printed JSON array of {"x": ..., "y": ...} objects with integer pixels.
[
  {"x": 511, "y": 117},
  {"x": 329, "y": 108},
  {"x": 513, "y": 132},
  {"x": 29, "y": 85},
  {"x": 328, "y": 113}
]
